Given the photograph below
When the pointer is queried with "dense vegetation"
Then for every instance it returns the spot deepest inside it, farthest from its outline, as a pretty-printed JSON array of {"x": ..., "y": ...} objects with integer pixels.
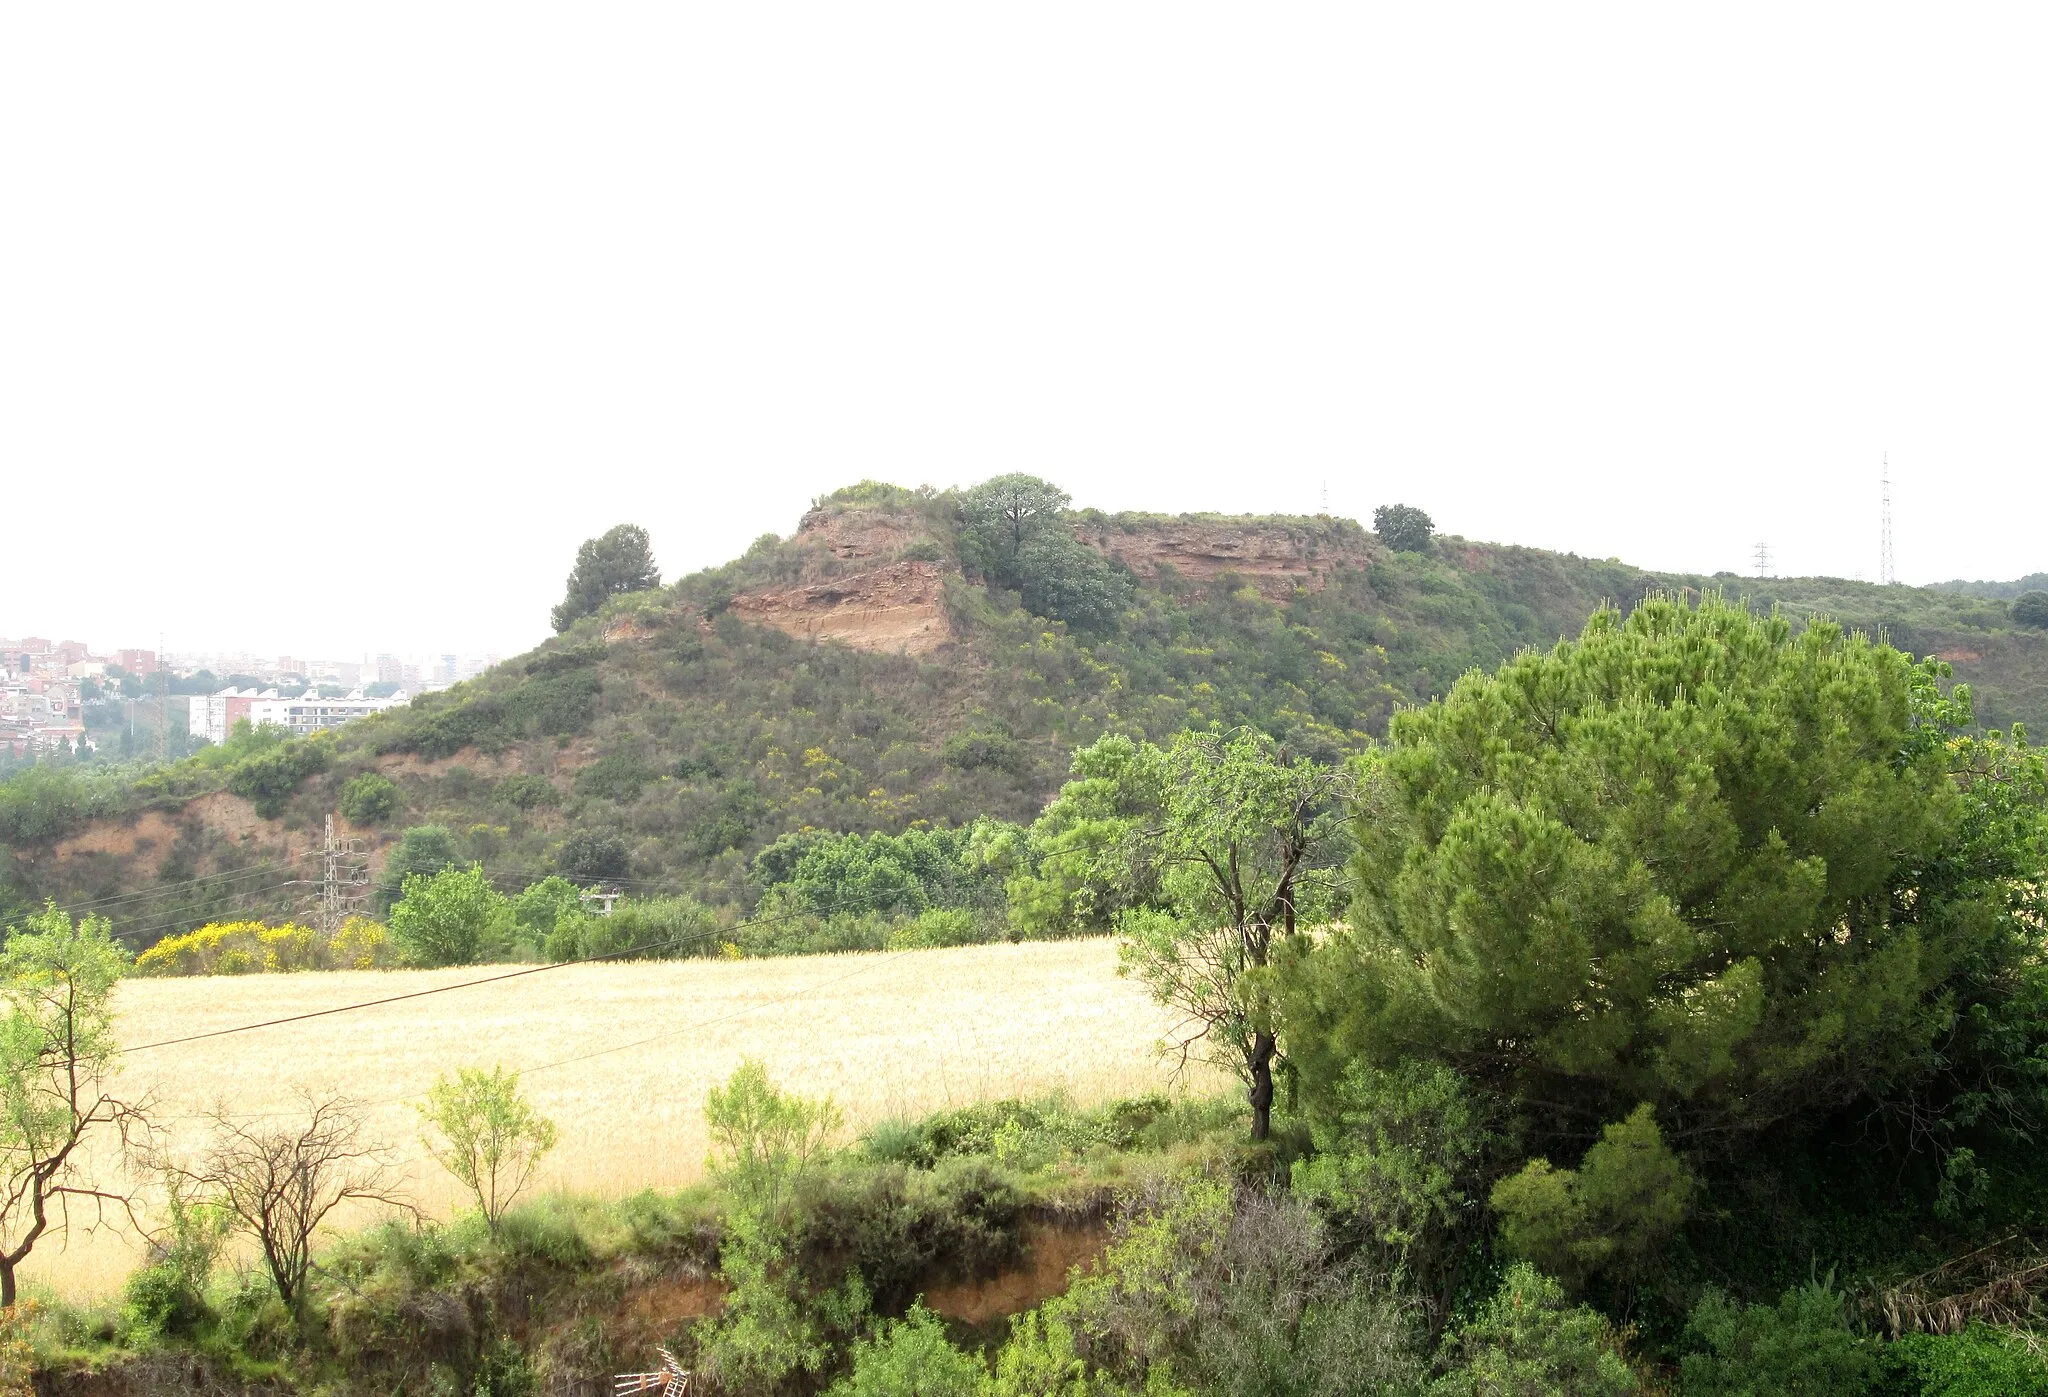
[
  {"x": 667, "y": 757},
  {"x": 1664, "y": 1010}
]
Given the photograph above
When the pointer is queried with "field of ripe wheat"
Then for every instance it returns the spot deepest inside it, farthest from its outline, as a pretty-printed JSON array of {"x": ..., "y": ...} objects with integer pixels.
[{"x": 620, "y": 1056}]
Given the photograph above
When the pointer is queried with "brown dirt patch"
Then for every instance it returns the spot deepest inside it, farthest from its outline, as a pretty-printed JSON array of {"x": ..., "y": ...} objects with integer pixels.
[
  {"x": 1050, "y": 1255},
  {"x": 1958, "y": 656},
  {"x": 481, "y": 763},
  {"x": 232, "y": 817},
  {"x": 150, "y": 833},
  {"x": 658, "y": 1307}
]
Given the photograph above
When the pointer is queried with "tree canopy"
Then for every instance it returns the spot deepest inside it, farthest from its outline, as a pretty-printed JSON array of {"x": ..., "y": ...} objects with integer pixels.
[
  {"x": 1690, "y": 859},
  {"x": 1203, "y": 852},
  {"x": 616, "y": 561},
  {"x": 1402, "y": 527},
  {"x": 1013, "y": 532}
]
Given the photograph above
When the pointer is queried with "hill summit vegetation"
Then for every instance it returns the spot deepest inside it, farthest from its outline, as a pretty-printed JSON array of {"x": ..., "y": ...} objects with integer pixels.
[{"x": 907, "y": 659}]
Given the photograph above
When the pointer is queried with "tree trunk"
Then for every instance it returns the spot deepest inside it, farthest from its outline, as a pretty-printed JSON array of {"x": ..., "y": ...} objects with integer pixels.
[
  {"x": 6, "y": 1285},
  {"x": 1261, "y": 1093}
]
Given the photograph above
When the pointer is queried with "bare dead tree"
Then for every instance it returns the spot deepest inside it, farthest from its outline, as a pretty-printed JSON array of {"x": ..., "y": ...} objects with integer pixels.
[{"x": 279, "y": 1182}]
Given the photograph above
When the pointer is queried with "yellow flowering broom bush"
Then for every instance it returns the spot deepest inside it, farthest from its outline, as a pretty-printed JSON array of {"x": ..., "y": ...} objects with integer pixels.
[{"x": 249, "y": 948}]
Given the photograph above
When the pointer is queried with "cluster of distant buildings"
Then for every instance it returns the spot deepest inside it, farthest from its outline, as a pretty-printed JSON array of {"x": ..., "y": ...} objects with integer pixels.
[
  {"x": 213, "y": 716},
  {"x": 43, "y": 688},
  {"x": 46, "y": 686}
]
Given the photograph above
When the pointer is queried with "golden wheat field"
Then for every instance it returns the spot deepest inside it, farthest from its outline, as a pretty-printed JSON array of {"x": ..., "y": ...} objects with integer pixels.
[{"x": 885, "y": 1034}]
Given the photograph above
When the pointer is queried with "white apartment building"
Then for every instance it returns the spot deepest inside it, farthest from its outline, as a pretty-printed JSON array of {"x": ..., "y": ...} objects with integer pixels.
[{"x": 309, "y": 713}]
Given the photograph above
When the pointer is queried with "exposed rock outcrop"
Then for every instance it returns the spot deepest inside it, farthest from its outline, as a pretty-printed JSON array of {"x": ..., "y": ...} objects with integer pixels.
[
  {"x": 898, "y": 607},
  {"x": 858, "y": 535},
  {"x": 1272, "y": 556}
]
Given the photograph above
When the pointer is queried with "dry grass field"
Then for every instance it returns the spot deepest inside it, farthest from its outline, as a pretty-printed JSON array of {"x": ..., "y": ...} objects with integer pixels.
[{"x": 884, "y": 1034}]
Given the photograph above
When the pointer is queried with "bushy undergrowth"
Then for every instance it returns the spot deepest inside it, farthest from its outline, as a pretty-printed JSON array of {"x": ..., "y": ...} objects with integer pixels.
[{"x": 1214, "y": 1281}]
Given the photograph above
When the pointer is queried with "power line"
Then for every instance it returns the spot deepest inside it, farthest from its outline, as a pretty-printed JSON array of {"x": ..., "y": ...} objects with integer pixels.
[
  {"x": 160, "y": 888},
  {"x": 487, "y": 980},
  {"x": 418, "y": 994}
]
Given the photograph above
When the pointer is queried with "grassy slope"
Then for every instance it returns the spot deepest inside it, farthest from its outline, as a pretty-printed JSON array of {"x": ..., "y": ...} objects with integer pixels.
[{"x": 697, "y": 738}]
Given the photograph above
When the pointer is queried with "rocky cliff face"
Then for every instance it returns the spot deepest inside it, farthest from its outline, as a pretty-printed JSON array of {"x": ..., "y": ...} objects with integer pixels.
[
  {"x": 857, "y": 588},
  {"x": 857, "y": 535},
  {"x": 1271, "y": 555},
  {"x": 896, "y": 607}
]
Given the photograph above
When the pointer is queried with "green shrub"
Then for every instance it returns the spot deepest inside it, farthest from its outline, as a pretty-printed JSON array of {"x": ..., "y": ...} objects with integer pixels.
[
  {"x": 1397, "y": 1155},
  {"x": 1528, "y": 1339},
  {"x": 371, "y": 799},
  {"x": 591, "y": 856},
  {"x": 41, "y": 804},
  {"x": 945, "y": 926},
  {"x": 659, "y": 928},
  {"x": 1979, "y": 1362},
  {"x": 1800, "y": 1346},
  {"x": 619, "y": 777},
  {"x": 421, "y": 849},
  {"x": 168, "y": 1296},
  {"x": 526, "y": 791},
  {"x": 980, "y": 749},
  {"x": 268, "y": 779},
  {"x": 1624, "y": 1199},
  {"x": 453, "y": 917},
  {"x": 911, "y": 1357},
  {"x": 2031, "y": 609}
]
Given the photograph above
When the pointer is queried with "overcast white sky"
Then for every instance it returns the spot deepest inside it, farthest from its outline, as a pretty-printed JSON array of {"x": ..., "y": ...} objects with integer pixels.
[{"x": 335, "y": 328}]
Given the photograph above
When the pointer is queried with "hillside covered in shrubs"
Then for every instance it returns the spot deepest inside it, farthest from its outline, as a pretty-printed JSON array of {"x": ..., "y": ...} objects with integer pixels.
[{"x": 905, "y": 659}]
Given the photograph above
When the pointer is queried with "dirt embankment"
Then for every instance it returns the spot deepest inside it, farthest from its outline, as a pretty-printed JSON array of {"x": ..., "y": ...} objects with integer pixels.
[
  {"x": 648, "y": 1312},
  {"x": 143, "y": 842},
  {"x": 1274, "y": 558}
]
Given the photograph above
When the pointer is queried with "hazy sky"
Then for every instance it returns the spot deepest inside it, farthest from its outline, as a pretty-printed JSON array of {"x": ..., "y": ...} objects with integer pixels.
[{"x": 333, "y": 328}]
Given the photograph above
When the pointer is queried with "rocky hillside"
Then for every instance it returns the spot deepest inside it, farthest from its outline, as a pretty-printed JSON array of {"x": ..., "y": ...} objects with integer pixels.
[{"x": 854, "y": 676}]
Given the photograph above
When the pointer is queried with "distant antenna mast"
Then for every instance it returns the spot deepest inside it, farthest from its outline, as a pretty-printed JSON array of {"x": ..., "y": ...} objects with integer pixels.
[
  {"x": 1763, "y": 560},
  {"x": 1326, "y": 497},
  {"x": 1884, "y": 547}
]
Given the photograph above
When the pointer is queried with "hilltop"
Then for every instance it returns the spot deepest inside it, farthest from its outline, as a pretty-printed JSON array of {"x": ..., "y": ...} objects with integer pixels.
[{"x": 869, "y": 672}]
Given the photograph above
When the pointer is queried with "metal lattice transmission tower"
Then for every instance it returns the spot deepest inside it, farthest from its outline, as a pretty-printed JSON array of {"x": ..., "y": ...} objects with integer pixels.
[
  {"x": 341, "y": 895},
  {"x": 1884, "y": 547},
  {"x": 1763, "y": 560}
]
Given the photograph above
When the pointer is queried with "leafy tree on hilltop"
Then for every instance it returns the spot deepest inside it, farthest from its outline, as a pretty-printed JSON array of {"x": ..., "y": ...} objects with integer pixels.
[
  {"x": 616, "y": 561},
  {"x": 1013, "y": 532},
  {"x": 998, "y": 517},
  {"x": 1403, "y": 528},
  {"x": 2031, "y": 609},
  {"x": 1695, "y": 861}
]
